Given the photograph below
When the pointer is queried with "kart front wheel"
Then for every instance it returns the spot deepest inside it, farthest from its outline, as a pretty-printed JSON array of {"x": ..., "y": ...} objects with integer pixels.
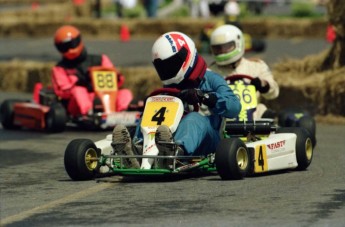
[
  {"x": 7, "y": 114},
  {"x": 81, "y": 159},
  {"x": 304, "y": 146},
  {"x": 56, "y": 118},
  {"x": 232, "y": 159}
]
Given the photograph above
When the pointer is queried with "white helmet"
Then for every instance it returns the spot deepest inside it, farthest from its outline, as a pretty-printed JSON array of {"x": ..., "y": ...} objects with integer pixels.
[
  {"x": 227, "y": 44},
  {"x": 174, "y": 56}
]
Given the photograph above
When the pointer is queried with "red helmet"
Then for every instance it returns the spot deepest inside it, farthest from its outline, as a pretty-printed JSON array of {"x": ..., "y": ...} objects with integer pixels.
[{"x": 68, "y": 41}]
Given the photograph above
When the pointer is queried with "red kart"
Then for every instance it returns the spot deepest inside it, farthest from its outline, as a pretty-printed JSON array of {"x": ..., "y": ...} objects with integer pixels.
[{"x": 47, "y": 112}]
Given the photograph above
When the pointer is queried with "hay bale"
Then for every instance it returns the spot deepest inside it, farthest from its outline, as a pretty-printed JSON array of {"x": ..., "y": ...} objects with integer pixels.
[
  {"x": 317, "y": 91},
  {"x": 20, "y": 76},
  {"x": 320, "y": 93},
  {"x": 141, "y": 80}
]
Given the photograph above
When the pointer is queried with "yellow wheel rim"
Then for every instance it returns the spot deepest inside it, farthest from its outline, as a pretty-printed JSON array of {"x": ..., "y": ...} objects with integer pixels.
[
  {"x": 242, "y": 158},
  {"x": 309, "y": 149},
  {"x": 91, "y": 160}
]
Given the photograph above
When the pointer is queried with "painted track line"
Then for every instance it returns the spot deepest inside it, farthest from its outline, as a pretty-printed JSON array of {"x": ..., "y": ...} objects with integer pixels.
[{"x": 43, "y": 208}]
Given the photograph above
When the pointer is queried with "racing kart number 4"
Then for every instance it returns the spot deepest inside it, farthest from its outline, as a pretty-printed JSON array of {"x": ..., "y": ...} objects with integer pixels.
[{"x": 105, "y": 80}]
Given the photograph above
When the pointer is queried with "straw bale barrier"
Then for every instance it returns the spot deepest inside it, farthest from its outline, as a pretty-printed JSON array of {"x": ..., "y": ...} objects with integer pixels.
[{"x": 320, "y": 93}]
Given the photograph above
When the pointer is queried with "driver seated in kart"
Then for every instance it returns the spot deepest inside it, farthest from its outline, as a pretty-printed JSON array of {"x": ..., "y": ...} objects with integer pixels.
[
  {"x": 178, "y": 65},
  {"x": 70, "y": 76},
  {"x": 227, "y": 46}
]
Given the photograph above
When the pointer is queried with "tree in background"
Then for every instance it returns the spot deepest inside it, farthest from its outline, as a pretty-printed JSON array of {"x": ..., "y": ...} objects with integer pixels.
[{"x": 336, "y": 55}]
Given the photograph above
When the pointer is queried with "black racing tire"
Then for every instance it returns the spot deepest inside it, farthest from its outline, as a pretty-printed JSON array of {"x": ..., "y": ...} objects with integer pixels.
[
  {"x": 232, "y": 159},
  {"x": 7, "y": 114},
  {"x": 77, "y": 161},
  {"x": 304, "y": 146},
  {"x": 287, "y": 118},
  {"x": 308, "y": 123},
  {"x": 56, "y": 118},
  {"x": 258, "y": 45}
]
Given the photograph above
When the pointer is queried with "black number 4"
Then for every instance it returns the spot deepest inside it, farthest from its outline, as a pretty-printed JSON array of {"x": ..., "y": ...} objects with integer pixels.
[
  {"x": 159, "y": 116},
  {"x": 261, "y": 161}
]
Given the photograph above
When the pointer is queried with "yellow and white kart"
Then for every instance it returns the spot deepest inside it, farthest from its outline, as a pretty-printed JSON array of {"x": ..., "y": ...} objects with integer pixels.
[
  {"x": 246, "y": 148},
  {"x": 270, "y": 147}
]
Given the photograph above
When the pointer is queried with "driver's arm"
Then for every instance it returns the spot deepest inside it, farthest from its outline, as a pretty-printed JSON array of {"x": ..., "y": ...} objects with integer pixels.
[
  {"x": 265, "y": 74},
  {"x": 62, "y": 83},
  {"x": 227, "y": 104}
]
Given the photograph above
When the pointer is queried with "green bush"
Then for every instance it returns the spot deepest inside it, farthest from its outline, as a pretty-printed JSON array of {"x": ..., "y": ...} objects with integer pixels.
[
  {"x": 135, "y": 12},
  {"x": 165, "y": 3},
  {"x": 302, "y": 9},
  {"x": 182, "y": 11}
]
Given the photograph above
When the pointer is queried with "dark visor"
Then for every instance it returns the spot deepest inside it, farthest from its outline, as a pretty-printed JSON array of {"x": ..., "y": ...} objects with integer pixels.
[
  {"x": 223, "y": 48},
  {"x": 65, "y": 46},
  {"x": 168, "y": 68}
]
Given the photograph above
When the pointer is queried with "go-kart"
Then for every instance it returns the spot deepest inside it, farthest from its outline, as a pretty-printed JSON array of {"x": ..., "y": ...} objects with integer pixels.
[
  {"x": 288, "y": 117},
  {"x": 246, "y": 148},
  {"x": 47, "y": 112}
]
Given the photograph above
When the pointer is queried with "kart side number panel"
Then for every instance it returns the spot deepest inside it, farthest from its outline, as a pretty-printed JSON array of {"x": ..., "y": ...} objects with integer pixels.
[
  {"x": 260, "y": 164},
  {"x": 276, "y": 152}
]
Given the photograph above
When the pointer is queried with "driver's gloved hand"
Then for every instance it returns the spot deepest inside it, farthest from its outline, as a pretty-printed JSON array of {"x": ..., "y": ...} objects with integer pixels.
[
  {"x": 196, "y": 96},
  {"x": 258, "y": 85},
  {"x": 210, "y": 99},
  {"x": 191, "y": 96}
]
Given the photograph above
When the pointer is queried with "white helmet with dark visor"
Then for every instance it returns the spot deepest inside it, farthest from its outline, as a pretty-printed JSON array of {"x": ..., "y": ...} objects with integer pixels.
[{"x": 173, "y": 56}]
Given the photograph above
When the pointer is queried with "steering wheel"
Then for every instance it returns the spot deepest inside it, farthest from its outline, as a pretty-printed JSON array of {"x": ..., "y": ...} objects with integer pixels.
[
  {"x": 236, "y": 77},
  {"x": 165, "y": 90},
  {"x": 172, "y": 92}
]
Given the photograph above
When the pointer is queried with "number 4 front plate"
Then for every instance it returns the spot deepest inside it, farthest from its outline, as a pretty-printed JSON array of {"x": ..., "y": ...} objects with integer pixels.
[{"x": 162, "y": 110}]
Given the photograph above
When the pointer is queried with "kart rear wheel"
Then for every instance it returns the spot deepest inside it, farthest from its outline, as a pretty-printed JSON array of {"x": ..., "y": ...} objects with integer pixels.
[
  {"x": 289, "y": 116},
  {"x": 296, "y": 117},
  {"x": 7, "y": 114},
  {"x": 56, "y": 118},
  {"x": 232, "y": 159},
  {"x": 304, "y": 146},
  {"x": 258, "y": 45},
  {"x": 308, "y": 123},
  {"x": 81, "y": 159}
]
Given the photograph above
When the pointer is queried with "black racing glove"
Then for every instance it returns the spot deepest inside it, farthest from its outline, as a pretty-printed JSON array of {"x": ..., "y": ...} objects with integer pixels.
[
  {"x": 258, "y": 85},
  {"x": 210, "y": 100},
  {"x": 196, "y": 96},
  {"x": 191, "y": 96}
]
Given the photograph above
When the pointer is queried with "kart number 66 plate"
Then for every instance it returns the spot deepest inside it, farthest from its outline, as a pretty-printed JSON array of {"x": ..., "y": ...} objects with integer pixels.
[{"x": 247, "y": 96}]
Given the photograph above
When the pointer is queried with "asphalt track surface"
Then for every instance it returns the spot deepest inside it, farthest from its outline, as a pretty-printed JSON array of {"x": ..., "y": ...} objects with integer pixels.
[{"x": 36, "y": 191}]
